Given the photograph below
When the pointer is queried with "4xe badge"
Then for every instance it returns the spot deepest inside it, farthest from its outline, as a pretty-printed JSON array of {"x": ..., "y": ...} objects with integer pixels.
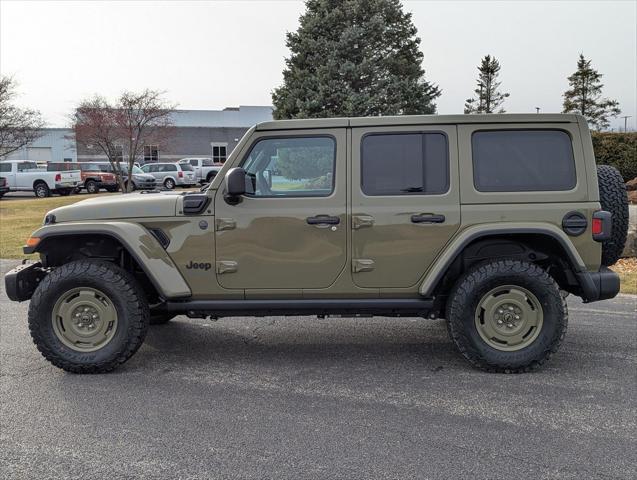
[{"x": 198, "y": 266}]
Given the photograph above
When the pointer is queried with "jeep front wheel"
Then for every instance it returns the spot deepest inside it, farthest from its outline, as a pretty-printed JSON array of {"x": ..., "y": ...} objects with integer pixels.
[
  {"x": 88, "y": 317},
  {"x": 507, "y": 316}
]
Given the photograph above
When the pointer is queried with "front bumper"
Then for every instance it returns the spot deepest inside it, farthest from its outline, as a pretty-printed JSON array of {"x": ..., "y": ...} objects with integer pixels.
[
  {"x": 21, "y": 282},
  {"x": 145, "y": 185},
  {"x": 600, "y": 285}
]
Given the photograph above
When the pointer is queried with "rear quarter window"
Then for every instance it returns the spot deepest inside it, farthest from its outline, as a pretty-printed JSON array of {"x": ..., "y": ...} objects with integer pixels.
[{"x": 523, "y": 160}]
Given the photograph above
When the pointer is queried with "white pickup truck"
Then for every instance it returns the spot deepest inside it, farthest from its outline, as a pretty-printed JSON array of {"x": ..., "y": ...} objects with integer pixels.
[
  {"x": 24, "y": 175},
  {"x": 205, "y": 168}
]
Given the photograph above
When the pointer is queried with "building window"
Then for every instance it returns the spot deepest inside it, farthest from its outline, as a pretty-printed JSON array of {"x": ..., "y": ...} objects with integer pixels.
[
  {"x": 151, "y": 153},
  {"x": 219, "y": 152},
  {"x": 119, "y": 154}
]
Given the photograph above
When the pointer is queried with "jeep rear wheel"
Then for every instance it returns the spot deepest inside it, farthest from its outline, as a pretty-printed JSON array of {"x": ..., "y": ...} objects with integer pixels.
[
  {"x": 614, "y": 199},
  {"x": 507, "y": 316},
  {"x": 88, "y": 317}
]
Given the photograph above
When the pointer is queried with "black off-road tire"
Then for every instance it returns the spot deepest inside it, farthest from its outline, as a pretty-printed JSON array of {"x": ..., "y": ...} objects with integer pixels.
[
  {"x": 470, "y": 289},
  {"x": 614, "y": 199},
  {"x": 122, "y": 290},
  {"x": 41, "y": 190},
  {"x": 161, "y": 318}
]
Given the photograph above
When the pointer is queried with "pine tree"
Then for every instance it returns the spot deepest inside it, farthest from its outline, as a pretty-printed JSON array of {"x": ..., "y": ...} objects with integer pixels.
[
  {"x": 584, "y": 96},
  {"x": 354, "y": 58},
  {"x": 488, "y": 98}
]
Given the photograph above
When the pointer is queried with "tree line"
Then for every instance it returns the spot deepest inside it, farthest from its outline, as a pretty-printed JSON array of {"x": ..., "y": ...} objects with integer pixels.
[
  {"x": 348, "y": 58},
  {"x": 353, "y": 58}
]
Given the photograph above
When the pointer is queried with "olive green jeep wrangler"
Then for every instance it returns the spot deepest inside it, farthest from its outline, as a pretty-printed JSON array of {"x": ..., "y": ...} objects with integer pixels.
[{"x": 487, "y": 221}]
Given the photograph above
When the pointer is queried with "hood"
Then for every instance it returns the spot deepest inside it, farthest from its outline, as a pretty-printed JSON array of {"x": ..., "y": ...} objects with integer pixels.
[
  {"x": 132, "y": 205},
  {"x": 143, "y": 176}
]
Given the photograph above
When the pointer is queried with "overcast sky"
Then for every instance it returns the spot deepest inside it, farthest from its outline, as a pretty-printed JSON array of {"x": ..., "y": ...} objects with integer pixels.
[{"x": 209, "y": 55}]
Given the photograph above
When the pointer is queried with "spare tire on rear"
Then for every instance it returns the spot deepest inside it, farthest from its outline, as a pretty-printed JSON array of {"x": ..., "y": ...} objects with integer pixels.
[{"x": 613, "y": 197}]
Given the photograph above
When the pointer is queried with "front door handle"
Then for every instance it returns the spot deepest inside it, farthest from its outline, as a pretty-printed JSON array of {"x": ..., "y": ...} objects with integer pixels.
[
  {"x": 427, "y": 218},
  {"x": 323, "y": 220}
]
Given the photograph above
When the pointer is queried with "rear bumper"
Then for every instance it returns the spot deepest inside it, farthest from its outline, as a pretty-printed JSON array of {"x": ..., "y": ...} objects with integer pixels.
[
  {"x": 21, "y": 282},
  {"x": 600, "y": 285},
  {"x": 64, "y": 185}
]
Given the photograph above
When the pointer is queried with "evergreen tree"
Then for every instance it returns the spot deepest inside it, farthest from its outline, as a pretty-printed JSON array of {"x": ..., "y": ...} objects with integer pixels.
[
  {"x": 584, "y": 96},
  {"x": 488, "y": 98},
  {"x": 354, "y": 58}
]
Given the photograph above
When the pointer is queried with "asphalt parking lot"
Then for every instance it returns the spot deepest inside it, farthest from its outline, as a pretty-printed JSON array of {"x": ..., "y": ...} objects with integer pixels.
[{"x": 278, "y": 398}]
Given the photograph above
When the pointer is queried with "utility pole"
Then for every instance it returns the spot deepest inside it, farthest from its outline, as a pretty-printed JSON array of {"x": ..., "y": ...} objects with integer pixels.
[
  {"x": 537, "y": 109},
  {"x": 626, "y": 117}
]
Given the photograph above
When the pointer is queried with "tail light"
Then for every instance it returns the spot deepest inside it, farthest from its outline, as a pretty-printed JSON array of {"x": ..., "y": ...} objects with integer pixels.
[
  {"x": 601, "y": 227},
  {"x": 180, "y": 174},
  {"x": 58, "y": 177}
]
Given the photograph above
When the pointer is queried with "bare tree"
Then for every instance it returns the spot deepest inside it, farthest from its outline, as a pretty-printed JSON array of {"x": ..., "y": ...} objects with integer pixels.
[
  {"x": 143, "y": 119},
  {"x": 136, "y": 120},
  {"x": 95, "y": 126},
  {"x": 18, "y": 126}
]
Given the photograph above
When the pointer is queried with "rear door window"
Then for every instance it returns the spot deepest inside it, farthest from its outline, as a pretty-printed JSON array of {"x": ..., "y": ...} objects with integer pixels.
[
  {"x": 404, "y": 164},
  {"x": 523, "y": 160}
]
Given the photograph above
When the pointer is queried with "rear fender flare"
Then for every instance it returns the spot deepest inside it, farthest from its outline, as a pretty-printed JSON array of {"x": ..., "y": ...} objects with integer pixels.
[{"x": 468, "y": 235}]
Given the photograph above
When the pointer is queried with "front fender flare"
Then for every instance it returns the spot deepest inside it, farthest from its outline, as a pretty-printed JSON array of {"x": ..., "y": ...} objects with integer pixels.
[
  {"x": 139, "y": 242},
  {"x": 468, "y": 235}
]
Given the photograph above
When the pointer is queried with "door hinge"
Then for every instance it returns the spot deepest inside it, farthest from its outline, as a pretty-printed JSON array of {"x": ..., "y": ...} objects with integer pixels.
[
  {"x": 362, "y": 265},
  {"x": 225, "y": 224},
  {"x": 226, "y": 266},
  {"x": 360, "y": 221}
]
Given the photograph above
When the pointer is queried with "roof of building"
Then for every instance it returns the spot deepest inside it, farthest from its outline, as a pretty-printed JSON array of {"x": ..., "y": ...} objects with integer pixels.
[{"x": 242, "y": 116}]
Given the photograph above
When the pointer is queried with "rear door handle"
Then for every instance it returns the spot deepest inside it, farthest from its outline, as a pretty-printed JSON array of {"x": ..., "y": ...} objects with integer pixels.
[
  {"x": 427, "y": 218},
  {"x": 323, "y": 220}
]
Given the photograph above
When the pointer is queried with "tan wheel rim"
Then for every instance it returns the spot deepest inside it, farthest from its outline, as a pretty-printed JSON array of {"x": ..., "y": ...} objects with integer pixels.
[
  {"x": 84, "y": 319},
  {"x": 509, "y": 318}
]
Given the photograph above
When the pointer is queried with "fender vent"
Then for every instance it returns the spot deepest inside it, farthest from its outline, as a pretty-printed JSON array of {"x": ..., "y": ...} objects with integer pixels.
[
  {"x": 574, "y": 223},
  {"x": 161, "y": 237}
]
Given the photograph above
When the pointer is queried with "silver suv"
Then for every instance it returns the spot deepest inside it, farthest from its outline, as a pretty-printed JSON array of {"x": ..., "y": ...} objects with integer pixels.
[{"x": 171, "y": 174}]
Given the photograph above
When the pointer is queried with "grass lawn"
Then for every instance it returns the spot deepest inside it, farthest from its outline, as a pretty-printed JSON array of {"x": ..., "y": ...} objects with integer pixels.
[
  {"x": 19, "y": 218},
  {"x": 627, "y": 269}
]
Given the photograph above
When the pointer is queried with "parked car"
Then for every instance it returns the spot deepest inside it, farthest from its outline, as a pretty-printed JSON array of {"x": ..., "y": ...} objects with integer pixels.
[
  {"x": 171, "y": 174},
  {"x": 24, "y": 175},
  {"x": 4, "y": 187},
  {"x": 92, "y": 177},
  {"x": 205, "y": 169},
  {"x": 141, "y": 180},
  {"x": 492, "y": 250}
]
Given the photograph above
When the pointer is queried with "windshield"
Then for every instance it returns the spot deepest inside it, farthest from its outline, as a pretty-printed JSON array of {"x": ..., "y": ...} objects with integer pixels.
[
  {"x": 186, "y": 167},
  {"x": 136, "y": 169},
  {"x": 90, "y": 167}
]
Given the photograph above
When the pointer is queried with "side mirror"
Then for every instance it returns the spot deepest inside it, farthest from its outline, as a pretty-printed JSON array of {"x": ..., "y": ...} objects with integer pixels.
[{"x": 237, "y": 183}]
